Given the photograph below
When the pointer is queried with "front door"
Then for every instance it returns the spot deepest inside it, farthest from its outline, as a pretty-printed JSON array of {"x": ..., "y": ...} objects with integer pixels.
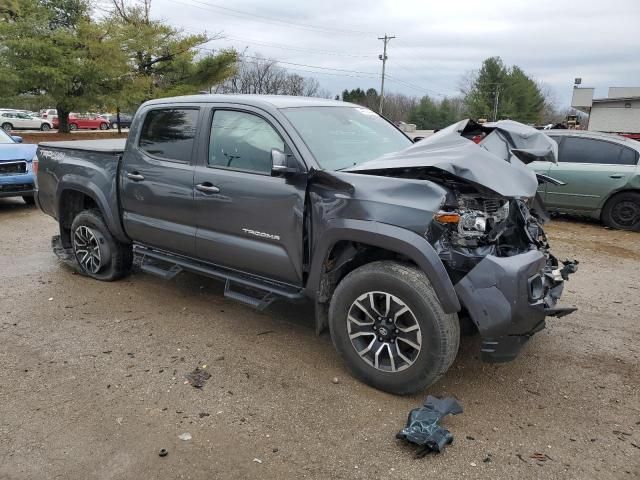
[
  {"x": 248, "y": 219},
  {"x": 592, "y": 169},
  {"x": 156, "y": 179}
]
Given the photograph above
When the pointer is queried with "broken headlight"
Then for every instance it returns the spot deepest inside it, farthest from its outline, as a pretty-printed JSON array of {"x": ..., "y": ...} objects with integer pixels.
[{"x": 475, "y": 219}]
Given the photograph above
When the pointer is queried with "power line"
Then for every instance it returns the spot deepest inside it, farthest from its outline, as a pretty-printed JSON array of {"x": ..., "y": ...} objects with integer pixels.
[
  {"x": 300, "y": 49},
  {"x": 266, "y": 19}
]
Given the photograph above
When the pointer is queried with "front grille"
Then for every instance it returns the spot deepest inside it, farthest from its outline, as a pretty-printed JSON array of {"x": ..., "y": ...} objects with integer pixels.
[
  {"x": 16, "y": 187},
  {"x": 13, "y": 168}
]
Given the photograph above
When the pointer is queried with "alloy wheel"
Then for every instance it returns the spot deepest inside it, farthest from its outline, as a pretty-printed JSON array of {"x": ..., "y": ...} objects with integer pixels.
[
  {"x": 384, "y": 331},
  {"x": 87, "y": 249}
]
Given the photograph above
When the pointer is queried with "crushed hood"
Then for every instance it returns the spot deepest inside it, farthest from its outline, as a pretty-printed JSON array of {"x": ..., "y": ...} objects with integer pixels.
[{"x": 497, "y": 162}]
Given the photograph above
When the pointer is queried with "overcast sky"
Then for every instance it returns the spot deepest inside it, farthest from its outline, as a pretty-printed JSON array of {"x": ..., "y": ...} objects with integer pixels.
[{"x": 437, "y": 41}]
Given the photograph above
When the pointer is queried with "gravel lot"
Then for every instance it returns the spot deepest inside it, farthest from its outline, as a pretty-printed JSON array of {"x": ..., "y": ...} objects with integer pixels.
[{"x": 92, "y": 382}]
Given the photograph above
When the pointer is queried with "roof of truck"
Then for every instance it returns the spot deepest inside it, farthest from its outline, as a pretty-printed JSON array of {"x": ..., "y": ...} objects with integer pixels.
[{"x": 274, "y": 101}]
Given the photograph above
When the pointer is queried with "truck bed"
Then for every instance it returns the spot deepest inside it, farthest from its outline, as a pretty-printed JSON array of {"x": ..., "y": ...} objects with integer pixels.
[{"x": 112, "y": 145}]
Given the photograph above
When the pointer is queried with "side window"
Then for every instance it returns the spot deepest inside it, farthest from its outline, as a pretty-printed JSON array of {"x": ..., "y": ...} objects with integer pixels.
[
  {"x": 588, "y": 150},
  {"x": 242, "y": 141},
  {"x": 628, "y": 157},
  {"x": 169, "y": 133}
]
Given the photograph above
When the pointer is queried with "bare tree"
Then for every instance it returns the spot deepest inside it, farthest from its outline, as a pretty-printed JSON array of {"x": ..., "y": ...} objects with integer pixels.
[
  {"x": 397, "y": 107},
  {"x": 259, "y": 75}
]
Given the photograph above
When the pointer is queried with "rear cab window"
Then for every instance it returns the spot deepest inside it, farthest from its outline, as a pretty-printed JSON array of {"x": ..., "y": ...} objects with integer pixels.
[{"x": 169, "y": 133}]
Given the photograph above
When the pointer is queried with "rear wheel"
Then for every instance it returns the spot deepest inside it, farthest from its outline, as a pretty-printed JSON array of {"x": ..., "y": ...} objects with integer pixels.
[
  {"x": 622, "y": 211},
  {"x": 7, "y": 127},
  {"x": 104, "y": 126},
  {"x": 73, "y": 127},
  {"x": 98, "y": 254},
  {"x": 389, "y": 327},
  {"x": 45, "y": 127},
  {"x": 114, "y": 125}
]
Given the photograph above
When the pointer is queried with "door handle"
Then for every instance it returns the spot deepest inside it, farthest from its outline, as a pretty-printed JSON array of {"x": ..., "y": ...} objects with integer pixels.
[
  {"x": 135, "y": 176},
  {"x": 207, "y": 188},
  {"x": 616, "y": 175}
]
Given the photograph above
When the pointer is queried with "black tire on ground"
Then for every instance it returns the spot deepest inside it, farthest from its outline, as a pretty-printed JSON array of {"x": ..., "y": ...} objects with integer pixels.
[
  {"x": 115, "y": 258},
  {"x": 45, "y": 127},
  {"x": 7, "y": 127},
  {"x": 104, "y": 126},
  {"x": 73, "y": 126},
  {"x": 29, "y": 199},
  {"x": 622, "y": 211},
  {"x": 439, "y": 332}
]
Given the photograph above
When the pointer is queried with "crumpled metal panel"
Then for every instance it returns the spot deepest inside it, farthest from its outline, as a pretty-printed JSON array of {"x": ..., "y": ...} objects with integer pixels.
[{"x": 498, "y": 162}]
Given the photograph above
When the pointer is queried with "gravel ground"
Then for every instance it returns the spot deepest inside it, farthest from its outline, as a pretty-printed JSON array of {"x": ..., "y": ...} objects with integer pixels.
[{"x": 93, "y": 374}]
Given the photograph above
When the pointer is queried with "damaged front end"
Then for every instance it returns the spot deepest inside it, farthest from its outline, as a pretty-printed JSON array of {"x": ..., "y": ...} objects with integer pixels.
[
  {"x": 489, "y": 232},
  {"x": 499, "y": 260}
]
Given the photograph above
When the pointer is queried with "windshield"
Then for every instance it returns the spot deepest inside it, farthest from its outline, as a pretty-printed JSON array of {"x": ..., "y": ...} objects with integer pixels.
[
  {"x": 5, "y": 137},
  {"x": 341, "y": 137}
]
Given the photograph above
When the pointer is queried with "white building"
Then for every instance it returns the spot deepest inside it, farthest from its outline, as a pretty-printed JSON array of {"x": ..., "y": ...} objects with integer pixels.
[{"x": 619, "y": 112}]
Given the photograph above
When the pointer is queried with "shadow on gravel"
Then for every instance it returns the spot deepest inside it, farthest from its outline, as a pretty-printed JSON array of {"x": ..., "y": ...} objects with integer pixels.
[{"x": 14, "y": 204}]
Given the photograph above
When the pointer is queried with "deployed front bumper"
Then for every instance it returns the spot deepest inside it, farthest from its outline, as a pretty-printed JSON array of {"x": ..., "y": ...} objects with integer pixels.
[{"x": 508, "y": 299}]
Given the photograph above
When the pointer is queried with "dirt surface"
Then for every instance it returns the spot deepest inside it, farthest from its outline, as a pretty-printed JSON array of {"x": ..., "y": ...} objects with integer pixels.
[
  {"x": 54, "y": 136},
  {"x": 93, "y": 380}
]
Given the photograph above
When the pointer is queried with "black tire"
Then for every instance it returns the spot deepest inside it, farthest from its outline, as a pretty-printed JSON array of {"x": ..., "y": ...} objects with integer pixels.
[
  {"x": 115, "y": 258},
  {"x": 439, "y": 332},
  {"x": 7, "y": 127},
  {"x": 45, "y": 127},
  {"x": 114, "y": 125},
  {"x": 622, "y": 211},
  {"x": 73, "y": 127},
  {"x": 104, "y": 126},
  {"x": 29, "y": 199}
]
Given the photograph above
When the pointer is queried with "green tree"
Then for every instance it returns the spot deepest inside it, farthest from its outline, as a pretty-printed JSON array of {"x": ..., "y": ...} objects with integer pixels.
[
  {"x": 53, "y": 48},
  {"x": 516, "y": 95},
  {"x": 431, "y": 115}
]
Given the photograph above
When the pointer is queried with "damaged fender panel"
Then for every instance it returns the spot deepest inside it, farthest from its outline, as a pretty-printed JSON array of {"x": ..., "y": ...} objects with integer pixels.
[{"x": 389, "y": 213}]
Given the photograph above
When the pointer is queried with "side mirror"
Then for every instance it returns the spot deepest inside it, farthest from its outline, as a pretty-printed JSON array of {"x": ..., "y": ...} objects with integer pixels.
[
  {"x": 417, "y": 139},
  {"x": 282, "y": 163},
  {"x": 16, "y": 139}
]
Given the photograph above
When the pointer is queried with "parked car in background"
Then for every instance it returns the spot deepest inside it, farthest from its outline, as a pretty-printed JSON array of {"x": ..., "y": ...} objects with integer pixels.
[
  {"x": 112, "y": 118},
  {"x": 86, "y": 122},
  {"x": 17, "y": 167},
  {"x": 48, "y": 113},
  {"x": 20, "y": 120},
  {"x": 601, "y": 175}
]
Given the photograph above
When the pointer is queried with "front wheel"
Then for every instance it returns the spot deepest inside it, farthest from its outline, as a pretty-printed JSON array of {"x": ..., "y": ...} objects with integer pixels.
[
  {"x": 114, "y": 125},
  {"x": 7, "y": 127},
  {"x": 45, "y": 127},
  {"x": 98, "y": 254},
  {"x": 622, "y": 211},
  {"x": 389, "y": 327},
  {"x": 73, "y": 127},
  {"x": 29, "y": 199},
  {"x": 104, "y": 126}
]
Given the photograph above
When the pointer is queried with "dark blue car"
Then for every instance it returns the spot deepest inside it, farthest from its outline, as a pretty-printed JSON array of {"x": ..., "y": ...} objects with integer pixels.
[{"x": 16, "y": 168}]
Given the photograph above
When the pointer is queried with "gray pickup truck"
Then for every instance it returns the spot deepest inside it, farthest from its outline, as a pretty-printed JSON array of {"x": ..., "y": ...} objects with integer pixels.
[{"x": 401, "y": 245}]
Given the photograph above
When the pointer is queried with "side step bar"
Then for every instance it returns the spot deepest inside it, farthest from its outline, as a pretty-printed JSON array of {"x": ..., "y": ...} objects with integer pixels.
[{"x": 253, "y": 291}]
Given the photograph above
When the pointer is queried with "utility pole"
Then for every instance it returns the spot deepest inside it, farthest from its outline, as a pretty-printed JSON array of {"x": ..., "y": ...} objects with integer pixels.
[
  {"x": 383, "y": 57},
  {"x": 495, "y": 103}
]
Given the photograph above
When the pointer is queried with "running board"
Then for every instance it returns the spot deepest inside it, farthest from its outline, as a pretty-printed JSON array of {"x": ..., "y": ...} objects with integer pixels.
[{"x": 253, "y": 291}]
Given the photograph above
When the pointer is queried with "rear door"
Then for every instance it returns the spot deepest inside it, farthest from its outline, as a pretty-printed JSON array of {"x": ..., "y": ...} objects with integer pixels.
[
  {"x": 156, "y": 179},
  {"x": 592, "y": 169},
  {"x": 248, "y": 219}
]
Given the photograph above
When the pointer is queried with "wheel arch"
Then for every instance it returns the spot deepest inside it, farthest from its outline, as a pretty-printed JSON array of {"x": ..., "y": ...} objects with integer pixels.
[
  {"x": 348, "y": 244},
  {"x": 77, "y": 194}
]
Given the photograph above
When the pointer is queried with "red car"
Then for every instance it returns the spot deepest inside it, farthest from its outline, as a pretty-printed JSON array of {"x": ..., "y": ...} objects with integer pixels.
[{"x": 87, "y": 122}]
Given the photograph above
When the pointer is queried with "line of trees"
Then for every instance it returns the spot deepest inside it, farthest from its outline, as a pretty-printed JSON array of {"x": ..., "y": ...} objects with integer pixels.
[{"x": 519, "y": 97}]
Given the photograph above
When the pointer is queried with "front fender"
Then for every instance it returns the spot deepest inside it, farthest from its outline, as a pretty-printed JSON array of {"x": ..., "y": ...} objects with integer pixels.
[{"x": 389, "y": 237}]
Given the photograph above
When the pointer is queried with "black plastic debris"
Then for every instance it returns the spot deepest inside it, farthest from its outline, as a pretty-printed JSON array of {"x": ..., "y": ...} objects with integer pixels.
[
  {"x": 198, "y": 377},
  {"x": 422, "y": 425}
]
